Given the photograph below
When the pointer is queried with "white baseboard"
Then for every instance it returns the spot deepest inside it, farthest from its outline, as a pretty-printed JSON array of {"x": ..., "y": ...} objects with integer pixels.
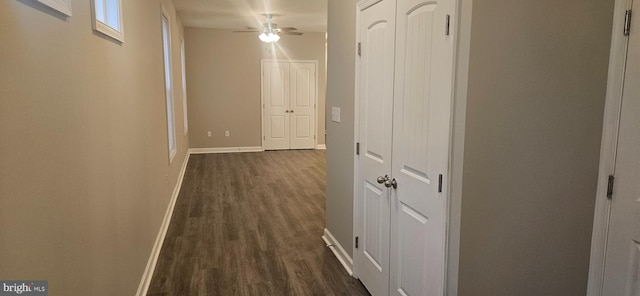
[
  {"x": 155, "y": 252},
  {"x": 225, "y": 150},
  {"x": 339, "y": 251},
  {"x": 321, "y": 147}
]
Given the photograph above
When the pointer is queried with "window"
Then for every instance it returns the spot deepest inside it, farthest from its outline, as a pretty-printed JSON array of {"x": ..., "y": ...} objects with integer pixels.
[
  {"x": 166, "y": 46},
  {"x": 184, "y": 87},
  {"x": 108, "y": 18}
]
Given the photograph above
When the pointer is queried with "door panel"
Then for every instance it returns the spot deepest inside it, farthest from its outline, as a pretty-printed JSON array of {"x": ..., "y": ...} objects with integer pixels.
[
  {"x": 374, "y": 242},
  {"x": 377, "y": 33},
  {"x": 412, "y": 240},
  {"x": 302, "y": 105},
  {"x": 275, "y": 92},
  {"x": 422, "y": 102},
  {"x": 622, "y": 259}
]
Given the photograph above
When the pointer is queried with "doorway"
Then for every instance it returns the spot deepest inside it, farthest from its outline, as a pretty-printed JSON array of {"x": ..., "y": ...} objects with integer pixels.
[{"x": 404, "y": 82}]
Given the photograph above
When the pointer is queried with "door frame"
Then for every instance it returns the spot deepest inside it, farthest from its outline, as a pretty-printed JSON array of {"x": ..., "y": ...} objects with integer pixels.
[
  {"x": 461, "y": 29},
  {"x": 613, "y": 103},
  {"x": 315, "y": 103}
]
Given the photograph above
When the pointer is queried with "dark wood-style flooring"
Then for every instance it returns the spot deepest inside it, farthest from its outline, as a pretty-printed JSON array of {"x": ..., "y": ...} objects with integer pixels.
[{"x": 251, "y": 224}]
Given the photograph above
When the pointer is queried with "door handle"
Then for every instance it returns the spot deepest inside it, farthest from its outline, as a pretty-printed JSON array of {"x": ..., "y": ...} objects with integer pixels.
[
  {"x": 387, "y": 181},
  {"x": 393, "y": 183},
  {"x": 382, "y": 179}
]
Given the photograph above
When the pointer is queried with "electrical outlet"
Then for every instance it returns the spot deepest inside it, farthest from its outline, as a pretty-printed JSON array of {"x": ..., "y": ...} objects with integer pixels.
[
  {"x": 209, "y": 134},
  {"x": 226, "y": 133}
]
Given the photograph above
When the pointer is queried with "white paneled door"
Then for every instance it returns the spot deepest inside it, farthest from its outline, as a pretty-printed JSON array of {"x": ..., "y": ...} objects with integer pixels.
[
  {"x": 405, "y": 82},
  {"x": 377, "y": 30},
  {"x": 422, "y": 110},
  {"x": 289, "y": 105},
  {"x": 622, "y": 259}
]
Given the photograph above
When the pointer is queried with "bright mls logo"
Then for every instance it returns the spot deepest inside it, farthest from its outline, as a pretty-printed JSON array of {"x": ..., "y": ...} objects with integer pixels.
[{"x": 24, "y": 288}]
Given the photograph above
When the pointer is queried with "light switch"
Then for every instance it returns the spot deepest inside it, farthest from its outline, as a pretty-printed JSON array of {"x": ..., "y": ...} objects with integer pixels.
[{"x": 335, "y": 114}]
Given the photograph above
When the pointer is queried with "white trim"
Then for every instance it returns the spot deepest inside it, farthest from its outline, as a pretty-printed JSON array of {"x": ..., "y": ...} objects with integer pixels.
[
  {"x": 157, "y": 246},
  {"x": 613, "y": 102},
  {"x": 321, "y": 147},
  {"x": 225, "y": 150},
  {"x": 357, "y": 227},
  {"x": 461, "y": 47},
  {"x": 338, "y": 251}
]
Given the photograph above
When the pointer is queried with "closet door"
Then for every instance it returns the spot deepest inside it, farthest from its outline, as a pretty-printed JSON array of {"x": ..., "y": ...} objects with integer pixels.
[
  {"x": 302, "y": 110},
  {"x": 422, "y": 102},
  {"x": 275, "y": 99},
  {"x": 376, "y": 31}
]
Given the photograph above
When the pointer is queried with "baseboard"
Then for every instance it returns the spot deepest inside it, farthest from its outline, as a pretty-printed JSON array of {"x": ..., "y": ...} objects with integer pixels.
[
  {"x": 155, "y": 252},
  {"x": 321, "y": 147},
  {"x": 225, "y": 150},
  {"x": 338, "y": 251}
]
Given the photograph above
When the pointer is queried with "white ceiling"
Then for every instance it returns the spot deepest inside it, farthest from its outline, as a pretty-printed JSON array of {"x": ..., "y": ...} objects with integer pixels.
[{"x": 306, "y": 15}]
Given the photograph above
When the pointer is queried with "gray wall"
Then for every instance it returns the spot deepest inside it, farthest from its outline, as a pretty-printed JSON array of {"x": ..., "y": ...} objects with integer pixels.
[
  {"x": 85, "y": 178},
  {"x": 536, "y": 90},
  {"x": 223, "y": 83},
  {"x": 341, "y": 33}
]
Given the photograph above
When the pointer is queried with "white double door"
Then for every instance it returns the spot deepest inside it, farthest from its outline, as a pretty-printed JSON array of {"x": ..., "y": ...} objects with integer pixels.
[
  {"x": 622, "y": 258},
  {"x": 404, "y": 106},
  {"x": 289, "y": 105}
]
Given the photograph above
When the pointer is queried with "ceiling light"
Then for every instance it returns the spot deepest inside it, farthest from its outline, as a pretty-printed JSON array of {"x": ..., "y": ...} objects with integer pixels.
[{"x": 269, "y": 37}]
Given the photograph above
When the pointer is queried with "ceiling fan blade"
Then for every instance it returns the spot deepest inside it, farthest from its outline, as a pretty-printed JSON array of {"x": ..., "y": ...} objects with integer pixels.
[
  {"x": 292, "y": 33},
  {"x": 288, "y": 29},
  {"x": 245, "y": 31}
]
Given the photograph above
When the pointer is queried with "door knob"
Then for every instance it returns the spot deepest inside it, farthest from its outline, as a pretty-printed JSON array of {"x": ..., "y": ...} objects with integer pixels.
[
  {"x": 291, "y": 111},
  {"x": 393, "y": 183},
  {"x": 286, "y": 111},
  {"x": 382, "y": 179}
]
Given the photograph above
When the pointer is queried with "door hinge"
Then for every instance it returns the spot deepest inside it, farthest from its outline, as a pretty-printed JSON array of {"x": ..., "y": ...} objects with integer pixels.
[
  {"x": 610, "y": 186},
  {"x": 314, "y": 137},
  {"x": 264, "y": 138},
  {"x": 356, "y": 242},
  {"x": 627, "y": 22},
  {"x": 440, "y": 183},
  {"x": 447, "y": 23},
  {"x": 359, "y": 49},
  {"x": 358, "y": 148}
]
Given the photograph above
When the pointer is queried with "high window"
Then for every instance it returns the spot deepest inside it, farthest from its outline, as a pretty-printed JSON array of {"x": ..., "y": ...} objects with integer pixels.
[
  {"x": 108, "y": 18},
  {"x": 166, "y": 46},
  {"x": 184, "y": 87}
]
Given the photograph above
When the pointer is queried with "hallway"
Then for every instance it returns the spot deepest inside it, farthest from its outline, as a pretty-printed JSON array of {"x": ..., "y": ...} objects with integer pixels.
[{"x": 251, "y": 224}]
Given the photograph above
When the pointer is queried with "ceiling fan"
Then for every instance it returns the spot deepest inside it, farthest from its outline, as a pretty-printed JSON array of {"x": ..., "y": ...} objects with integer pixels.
[{"x": 270, "y": 31}]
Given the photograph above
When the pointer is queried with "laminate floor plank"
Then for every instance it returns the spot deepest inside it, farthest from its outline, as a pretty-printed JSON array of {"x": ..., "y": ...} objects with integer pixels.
[{"x": 251, "y": 224}]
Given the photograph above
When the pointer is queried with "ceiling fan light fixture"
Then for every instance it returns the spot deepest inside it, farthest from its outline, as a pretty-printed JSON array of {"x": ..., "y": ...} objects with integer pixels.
[{"x": 269, "y": 37}]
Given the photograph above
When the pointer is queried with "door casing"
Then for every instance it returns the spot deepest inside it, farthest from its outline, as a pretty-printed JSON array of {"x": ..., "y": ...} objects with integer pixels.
[
  {"x": 460, "y": 29},
  {"x": 613, "y": 102}
]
